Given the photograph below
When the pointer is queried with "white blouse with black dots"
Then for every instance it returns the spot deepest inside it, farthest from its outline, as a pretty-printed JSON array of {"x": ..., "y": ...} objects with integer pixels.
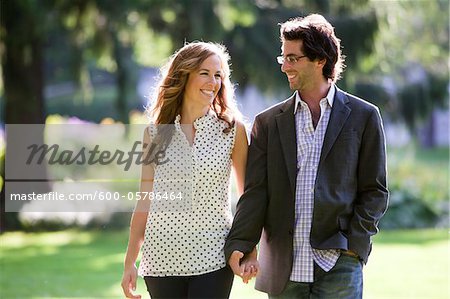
[{"x": 190, "y": 214}]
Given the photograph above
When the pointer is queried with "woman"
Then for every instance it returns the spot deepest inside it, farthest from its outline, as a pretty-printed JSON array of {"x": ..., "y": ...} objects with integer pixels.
[{"x": 182, "y": 228}]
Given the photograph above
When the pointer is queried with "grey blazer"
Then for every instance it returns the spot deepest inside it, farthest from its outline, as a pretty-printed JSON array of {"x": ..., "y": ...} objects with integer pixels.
[{"x": 350, "y": 194}]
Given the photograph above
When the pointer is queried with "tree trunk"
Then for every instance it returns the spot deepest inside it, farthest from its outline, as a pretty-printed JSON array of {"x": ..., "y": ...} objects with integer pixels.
[
  {"x": 122, "y": 77},
  {"x": 22, "y": 66}
]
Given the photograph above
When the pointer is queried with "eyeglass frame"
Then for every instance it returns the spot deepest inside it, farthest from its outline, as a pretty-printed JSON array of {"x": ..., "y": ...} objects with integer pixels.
[{"x": 290, "y": 59}]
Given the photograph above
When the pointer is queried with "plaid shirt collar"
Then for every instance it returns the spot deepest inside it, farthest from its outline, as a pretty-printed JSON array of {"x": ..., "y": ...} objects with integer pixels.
[{"x": 329, "y": 97}]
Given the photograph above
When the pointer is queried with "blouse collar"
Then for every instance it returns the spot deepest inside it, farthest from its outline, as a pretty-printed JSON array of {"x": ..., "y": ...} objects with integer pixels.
[{"x": 199, "y": 123}]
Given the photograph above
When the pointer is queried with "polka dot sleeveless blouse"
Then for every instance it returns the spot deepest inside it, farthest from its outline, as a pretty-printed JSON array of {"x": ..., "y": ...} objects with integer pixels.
[{"x": 190, "y": 215}]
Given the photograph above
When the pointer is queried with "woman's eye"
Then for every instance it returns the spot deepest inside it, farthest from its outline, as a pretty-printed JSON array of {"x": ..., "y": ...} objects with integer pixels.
[{"x": 218, "y": 76}]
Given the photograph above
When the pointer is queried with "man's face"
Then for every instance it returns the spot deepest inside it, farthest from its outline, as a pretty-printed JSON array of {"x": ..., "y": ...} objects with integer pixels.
[{"x": 301, "y": 73}]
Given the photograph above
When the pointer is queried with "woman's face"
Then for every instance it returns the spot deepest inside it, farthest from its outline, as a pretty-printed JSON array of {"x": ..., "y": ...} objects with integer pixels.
[{"x": 204, "y": 83}]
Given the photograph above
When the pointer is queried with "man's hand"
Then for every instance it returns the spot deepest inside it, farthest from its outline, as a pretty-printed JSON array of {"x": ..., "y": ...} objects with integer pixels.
[
  {"x": 129, "y": 282},
  {"x": 247, "y": 267},
  {"x": 350, "y": 253}
]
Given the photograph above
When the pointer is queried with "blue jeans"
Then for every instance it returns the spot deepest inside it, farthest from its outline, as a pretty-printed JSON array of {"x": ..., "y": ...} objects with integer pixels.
[{"x": 344, "y": 280}]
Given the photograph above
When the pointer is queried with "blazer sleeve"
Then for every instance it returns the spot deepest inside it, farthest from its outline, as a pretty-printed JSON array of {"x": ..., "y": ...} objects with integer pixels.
[
  {"x": 372, "y": 193},
  {"x": 251, "y": 208}
]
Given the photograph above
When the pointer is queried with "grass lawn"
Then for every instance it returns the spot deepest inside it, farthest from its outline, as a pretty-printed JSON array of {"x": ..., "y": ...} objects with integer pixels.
[{"x": 403, "y": 264}]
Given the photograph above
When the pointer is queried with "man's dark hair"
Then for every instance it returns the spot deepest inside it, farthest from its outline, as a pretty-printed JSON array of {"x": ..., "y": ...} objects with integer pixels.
[{"x": 319, "y": 42}]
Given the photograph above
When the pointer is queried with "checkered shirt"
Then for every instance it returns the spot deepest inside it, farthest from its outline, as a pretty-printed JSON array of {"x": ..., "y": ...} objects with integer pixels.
[{"x": 309, "y": 147}]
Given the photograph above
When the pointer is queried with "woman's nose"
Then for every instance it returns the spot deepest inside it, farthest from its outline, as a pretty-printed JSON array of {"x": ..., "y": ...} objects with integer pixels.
[{"x": 214, "y": 80}]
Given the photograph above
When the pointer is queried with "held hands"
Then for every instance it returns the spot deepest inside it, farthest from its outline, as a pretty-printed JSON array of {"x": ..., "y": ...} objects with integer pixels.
[
  {"x": 129, "y": 282},
  {"x": 246, "y": 267}
]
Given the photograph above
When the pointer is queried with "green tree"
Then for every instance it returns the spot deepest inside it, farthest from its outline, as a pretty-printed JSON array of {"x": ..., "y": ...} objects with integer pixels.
[
  {"x": 22, "y": 28},
  {"x": 102, "y": 32},
  {"x": 113, "y": 35},
  {"x": 250, "y": 30},
  {"x": 23, "y": 25},
  {"x": 411, "y": 55}
]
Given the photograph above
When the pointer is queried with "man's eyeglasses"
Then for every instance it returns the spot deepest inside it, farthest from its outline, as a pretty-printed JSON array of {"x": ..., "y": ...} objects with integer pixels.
[{"x": 290, "y": 59}]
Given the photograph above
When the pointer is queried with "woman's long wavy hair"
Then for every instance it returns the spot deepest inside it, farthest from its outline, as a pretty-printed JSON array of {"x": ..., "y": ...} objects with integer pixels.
[{"x": 174, "y": 76}]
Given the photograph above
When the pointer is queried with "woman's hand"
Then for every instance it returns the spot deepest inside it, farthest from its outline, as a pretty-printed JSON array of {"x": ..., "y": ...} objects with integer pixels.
[
  {"x": 129, "y": 282},
  {"x": 251, "y": 266}
]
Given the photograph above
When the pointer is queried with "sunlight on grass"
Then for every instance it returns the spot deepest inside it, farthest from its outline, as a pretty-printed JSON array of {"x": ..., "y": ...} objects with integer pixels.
[
  {"x": 242, "y": 290},
  {"x": 106, "y": 261},
  {"x": 401, "y": 268},
  {"x": 19, "y": 239},
  {"x": 408, "y": 272},
  {"x": 403, "y": 264}
]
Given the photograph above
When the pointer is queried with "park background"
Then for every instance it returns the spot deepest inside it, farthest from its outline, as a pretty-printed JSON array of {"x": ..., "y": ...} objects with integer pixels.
[{"x": 95, "y": 61}]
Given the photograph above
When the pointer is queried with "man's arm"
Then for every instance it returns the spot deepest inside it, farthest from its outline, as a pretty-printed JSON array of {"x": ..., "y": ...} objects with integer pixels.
[
  {"x": 372, "y": 196},
  {"x": 251, "y": 208}
]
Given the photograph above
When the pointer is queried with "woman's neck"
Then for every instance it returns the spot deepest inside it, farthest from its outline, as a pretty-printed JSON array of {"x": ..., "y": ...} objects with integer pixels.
[{"x": 189, "y": 114}]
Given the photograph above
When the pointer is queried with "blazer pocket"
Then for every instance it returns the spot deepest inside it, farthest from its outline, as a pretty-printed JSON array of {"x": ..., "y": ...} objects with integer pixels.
[
  {"x": 348, "y": 145},
  {"x": 343, "y": 225},
  {"x": 351, "y": 136}
]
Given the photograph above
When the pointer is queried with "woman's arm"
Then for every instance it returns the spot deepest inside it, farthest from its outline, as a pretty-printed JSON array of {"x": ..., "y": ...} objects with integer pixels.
[
  {"x": 137, "y": 227},
  {"x": 249, "y": 265},
  {"x": 239, "y": 157}
]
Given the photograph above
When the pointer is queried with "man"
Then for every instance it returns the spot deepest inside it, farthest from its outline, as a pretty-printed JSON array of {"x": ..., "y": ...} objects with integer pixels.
[{"x": 316, "y": 177}]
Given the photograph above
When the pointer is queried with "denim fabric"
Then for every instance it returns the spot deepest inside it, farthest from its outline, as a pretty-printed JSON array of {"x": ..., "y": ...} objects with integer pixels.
[{"x": 343, "y": 281}]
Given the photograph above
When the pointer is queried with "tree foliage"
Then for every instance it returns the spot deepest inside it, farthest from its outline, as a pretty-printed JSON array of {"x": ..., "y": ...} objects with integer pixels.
[
  {"x": 410, "y": 58},
  {"x": 120, "y": 36},
  {"x": 52, "y": 41},
  {"x": 396, "y": 51}
]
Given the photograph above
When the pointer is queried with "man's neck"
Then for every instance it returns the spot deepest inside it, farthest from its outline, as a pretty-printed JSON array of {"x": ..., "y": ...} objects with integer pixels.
[{"x": 313, "y": 95}]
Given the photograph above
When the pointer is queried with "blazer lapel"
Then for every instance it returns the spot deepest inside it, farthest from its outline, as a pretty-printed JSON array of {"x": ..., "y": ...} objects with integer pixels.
[
  {"x": 286, "y": 129},
  {"x": 339, "y": 115}
]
